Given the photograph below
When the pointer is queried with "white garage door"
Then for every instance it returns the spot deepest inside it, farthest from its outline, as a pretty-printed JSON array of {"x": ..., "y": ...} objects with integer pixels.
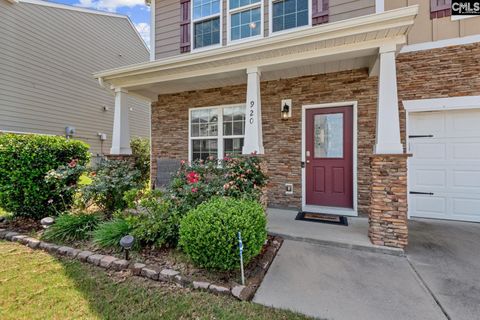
[{"x": 444, "y": 172}]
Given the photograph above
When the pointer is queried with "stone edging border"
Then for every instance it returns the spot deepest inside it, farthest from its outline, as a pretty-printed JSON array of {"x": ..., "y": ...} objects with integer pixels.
[{"x": 243, "y": 293}]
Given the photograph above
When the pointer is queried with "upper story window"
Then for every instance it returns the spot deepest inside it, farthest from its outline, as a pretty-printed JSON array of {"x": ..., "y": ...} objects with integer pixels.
[
  {"x": 288, "y": 14},
  {"x": 246, "y": 19},
  {"x": 206, "y": 23}
]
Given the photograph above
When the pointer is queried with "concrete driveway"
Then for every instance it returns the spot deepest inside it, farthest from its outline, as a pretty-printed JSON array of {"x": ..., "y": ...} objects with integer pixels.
[
  {"x": 446, "y": 256},
  {"x": 438, "y": 279},
  {"x": 338, "y": 283}
]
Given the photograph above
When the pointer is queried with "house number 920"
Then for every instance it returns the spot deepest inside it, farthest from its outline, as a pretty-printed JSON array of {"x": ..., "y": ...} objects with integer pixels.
[{"x": 252, "y": 103}]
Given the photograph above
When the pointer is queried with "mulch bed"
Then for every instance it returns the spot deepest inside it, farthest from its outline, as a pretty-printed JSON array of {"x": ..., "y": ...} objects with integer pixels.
[{"x": 171, "y": 258}]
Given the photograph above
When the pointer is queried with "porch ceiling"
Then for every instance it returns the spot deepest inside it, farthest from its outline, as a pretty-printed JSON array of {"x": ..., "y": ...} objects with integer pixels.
[{"x": 332, "y": 47}]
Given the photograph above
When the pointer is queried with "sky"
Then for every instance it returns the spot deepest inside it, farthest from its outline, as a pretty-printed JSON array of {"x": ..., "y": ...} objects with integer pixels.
[{"x": 138, "y": 12}]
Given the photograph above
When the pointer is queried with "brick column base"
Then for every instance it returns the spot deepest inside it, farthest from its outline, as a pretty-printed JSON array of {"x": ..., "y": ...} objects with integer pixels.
[{"x": 388, "y": 201}]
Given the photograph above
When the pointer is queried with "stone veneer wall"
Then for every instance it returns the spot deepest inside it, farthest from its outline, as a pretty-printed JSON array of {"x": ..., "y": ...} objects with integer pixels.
[
  {"x": 282, "y": 139},
  {"x": 388, "y": 210},
  {"x": 438, "y": 73}
]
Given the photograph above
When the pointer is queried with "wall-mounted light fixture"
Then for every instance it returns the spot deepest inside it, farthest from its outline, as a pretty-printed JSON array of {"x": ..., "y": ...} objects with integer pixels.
[{"x": 286, "y": 109}]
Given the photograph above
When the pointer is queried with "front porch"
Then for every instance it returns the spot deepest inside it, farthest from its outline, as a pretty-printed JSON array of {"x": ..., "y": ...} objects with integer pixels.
[
  {"x": 282, "y": 222},
  {"x": 347, "y": 65}
]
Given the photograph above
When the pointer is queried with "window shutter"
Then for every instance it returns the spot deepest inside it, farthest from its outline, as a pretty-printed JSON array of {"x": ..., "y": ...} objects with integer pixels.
[
  {"x": 185, "y": 26},
  {"x": 319, "y": 12},
  {"x": 440, "y": 8}
]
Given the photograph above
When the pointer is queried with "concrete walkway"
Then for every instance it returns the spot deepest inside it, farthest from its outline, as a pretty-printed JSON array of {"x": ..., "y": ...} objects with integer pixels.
[
  {"x": 354, "y": 236},
  {"x": 338, "y": 283}
]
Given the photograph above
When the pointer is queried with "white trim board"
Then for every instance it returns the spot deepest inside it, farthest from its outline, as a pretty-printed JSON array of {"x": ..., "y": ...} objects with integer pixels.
[
  {"x": 333, "y": 210},
  {"x": 453, "y": 103},
  {"x": 440, "y": 44}
]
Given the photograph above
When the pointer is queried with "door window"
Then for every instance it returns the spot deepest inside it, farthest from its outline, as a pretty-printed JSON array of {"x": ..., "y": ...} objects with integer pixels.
[{"x": 328, "y": 135}]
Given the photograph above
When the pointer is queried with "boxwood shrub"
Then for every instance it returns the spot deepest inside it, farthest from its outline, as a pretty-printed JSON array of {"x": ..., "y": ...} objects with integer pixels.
[
  {"x": 209, "y": 233},
  {"x": 24, "y": 162}
]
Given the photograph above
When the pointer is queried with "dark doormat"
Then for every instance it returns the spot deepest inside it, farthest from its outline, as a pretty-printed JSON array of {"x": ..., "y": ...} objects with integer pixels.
[{"x": 322, "y": 218}]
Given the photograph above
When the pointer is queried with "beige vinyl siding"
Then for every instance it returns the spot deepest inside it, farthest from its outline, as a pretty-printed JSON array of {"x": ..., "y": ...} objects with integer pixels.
[
  {"x": 47, "y": 57},
  {"x": 347, "y": 9},
  {"x": 167, "y": 21},
  {"x": 167, "y": 28},
  {"x": 426, "y": 29}
]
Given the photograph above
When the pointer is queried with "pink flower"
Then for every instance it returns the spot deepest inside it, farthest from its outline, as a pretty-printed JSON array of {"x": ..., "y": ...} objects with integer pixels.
[
  {"x": 226, "y": 186},
  {"x": 73, "y": 163},
  {"x": 182, "y": 162},
  {"x": 194, "y": 190}
]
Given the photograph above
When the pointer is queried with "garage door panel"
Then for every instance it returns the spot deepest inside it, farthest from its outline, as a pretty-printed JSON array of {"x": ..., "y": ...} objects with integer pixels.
[
  {"x": 445, "y": 167},
  {"x": 429, "y": 150},
  {"x": 429, "y": 206},
  {"x": 466, "y": 207},
  {"x": 463, "y": 123},
  {"x": 463, "y": 178},
  {"x": 466, "y": 150},
  {"x": 430, "y": 178},
  {"x": 428, "y": 123}
]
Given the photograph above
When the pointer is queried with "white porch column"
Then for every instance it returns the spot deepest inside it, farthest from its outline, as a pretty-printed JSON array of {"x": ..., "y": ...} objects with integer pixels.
[
  {"x": 253, "y": 122},
  {"x": 121, "y": 130},
  {"x": 388, "y": 120}
]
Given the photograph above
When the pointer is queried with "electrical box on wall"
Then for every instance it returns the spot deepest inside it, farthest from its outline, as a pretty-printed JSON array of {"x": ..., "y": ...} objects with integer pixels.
[{"x": 288, "y": 188}]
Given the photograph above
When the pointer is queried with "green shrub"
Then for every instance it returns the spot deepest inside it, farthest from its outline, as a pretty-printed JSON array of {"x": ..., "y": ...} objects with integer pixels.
[
  {"x": 209, "y": 233},
  {"x": 24, "y": 162},
  {"x": 141, "y": 153},
  {"x": 156, "y": 221},
  {"x": 71, "y": 227},
  {"x": 110, "y": 180},
  {"x": 109, "y": 233}
]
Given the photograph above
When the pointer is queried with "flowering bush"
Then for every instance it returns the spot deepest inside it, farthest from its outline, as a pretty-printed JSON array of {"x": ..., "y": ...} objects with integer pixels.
[
  {"x": 110, "y": 180},
  {"x": 24, "y": 162},
  {"x": 154, "y": 221},
  {"x": 237, "y": 177},
  {"x": 63, "y": 185}
]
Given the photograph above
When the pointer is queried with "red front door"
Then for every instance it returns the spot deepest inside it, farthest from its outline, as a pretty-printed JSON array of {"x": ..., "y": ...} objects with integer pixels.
[{"x": 329, "y": 157}]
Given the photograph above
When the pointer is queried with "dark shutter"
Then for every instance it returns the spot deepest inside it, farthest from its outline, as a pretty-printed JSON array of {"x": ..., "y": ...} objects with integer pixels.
[
  {"x": 440, "y": 8},
  {"x": 319, "y": 12},
  {"x": 185, "y": 26}
]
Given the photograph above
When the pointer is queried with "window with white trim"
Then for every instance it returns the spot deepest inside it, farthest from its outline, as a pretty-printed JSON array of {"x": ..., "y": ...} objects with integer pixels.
[
  {"x": 246, "y": 19},
  {"x": 288, "y": 14},
  {"x": 216, "y": 131},
  {"x": 206, "y": 23}
]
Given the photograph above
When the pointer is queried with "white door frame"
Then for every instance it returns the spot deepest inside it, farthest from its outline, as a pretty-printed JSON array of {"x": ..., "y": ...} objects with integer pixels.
[
  {"x": 324, "y": 209},
  {"x": 426, "y": 105}
]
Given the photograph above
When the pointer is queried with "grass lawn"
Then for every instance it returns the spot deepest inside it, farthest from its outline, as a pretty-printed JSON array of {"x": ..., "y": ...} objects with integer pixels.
[{"x": 35, "y": 285}]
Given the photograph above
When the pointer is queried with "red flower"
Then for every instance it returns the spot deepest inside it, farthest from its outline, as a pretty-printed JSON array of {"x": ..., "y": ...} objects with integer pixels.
[
  {"x": 194, "y": 190},
  {"x": 193, "y": 177}
]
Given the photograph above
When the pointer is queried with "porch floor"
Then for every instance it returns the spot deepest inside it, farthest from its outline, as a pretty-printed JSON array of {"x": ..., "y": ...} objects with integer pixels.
[{"x": 282, "y": 222}]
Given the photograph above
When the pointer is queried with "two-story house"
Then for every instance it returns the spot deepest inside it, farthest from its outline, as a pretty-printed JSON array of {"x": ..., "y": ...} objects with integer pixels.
[{"x": 358, "y": 107}]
